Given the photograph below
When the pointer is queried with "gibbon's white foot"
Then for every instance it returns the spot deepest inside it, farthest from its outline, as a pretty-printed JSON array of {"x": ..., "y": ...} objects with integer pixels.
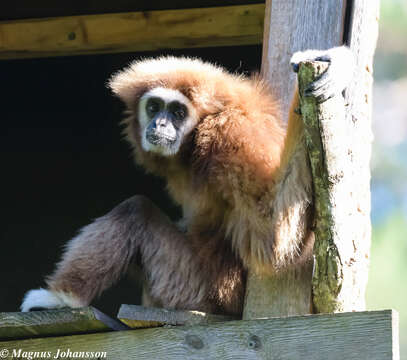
[
  {"x": 335, "y": 78},
  {"x": 42, "y": 299}
]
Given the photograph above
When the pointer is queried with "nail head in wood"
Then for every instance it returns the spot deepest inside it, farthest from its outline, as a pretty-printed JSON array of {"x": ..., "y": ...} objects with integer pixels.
[{"x": 254, "y": 342}]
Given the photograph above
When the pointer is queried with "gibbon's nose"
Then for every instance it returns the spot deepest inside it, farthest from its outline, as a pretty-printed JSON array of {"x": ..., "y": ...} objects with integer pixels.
[{"x": 161, "y": 122}]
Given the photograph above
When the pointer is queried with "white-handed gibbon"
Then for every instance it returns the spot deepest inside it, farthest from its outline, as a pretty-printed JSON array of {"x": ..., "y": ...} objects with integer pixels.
[{"x": 240, "y": 176}]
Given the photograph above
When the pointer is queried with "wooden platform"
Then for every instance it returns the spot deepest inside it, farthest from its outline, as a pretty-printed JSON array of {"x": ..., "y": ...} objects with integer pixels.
[{"x": 359, "y": 335}]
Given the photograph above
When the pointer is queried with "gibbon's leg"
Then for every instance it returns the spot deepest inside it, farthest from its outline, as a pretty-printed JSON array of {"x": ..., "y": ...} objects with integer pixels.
[
  {"x": 95, "y": 259},
  {"x": 292, "y": 209}
]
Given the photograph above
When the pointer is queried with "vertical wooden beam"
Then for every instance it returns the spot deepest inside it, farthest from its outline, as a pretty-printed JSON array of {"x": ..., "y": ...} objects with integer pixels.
[
  {"x": 339, "y": 279},
  {"x": 284, "y": 294},
  {"x": 290, "y": 26},
  {"x": 363, "y": 33},
  {"x": 327, "y": 140},
  {"x": 294, "y": 25},
  {"x": 342, "y": 287}
]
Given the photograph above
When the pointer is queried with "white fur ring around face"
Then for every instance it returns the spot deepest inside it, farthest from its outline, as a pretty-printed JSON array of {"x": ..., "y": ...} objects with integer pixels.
[{"x": 42, "y": 298}]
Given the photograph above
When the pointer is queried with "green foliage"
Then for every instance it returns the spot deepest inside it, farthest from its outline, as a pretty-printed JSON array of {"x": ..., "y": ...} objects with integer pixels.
[
  {"x": 393, "y": 14},
  {"x": 387, "y": 286},
  {"x": 390, "y": 58}
]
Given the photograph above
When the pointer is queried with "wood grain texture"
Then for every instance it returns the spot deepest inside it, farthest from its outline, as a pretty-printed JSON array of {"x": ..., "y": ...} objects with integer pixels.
[
  {"x": 51, "y": 8},
  {"x": 339, "y": 144},
  {"x": 134, "y": 315},
  {"x": 19, "y": 325},
  {"x": 327, "y": 135},
  {"x": 357, "y": 336},
  {"x": 294, "y": 25},
  {"x": 284, "y": 294},
  {"x": 290, "y": 26},
  {"x": 363, "y": 33},
  {"x": 136, "y": 31}
]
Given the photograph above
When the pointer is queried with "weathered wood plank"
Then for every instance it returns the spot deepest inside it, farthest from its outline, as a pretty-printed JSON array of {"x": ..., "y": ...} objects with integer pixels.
[
  {"x": 137, "y": 316},
  {"x": 341, "y": 174},
  {"x": 50, "y": 8},
  {"x": 18, "y": 325},
  {"x": 136, "y": 31},
  {"x": 327, "y": 136},
  {"x": 358, "y": 336},
  {"x": 286, "y": 293},
  {"x": 363, "y": 33},
  {"x": 294, "y": 25},
  {"x": 290, "y": 26}
]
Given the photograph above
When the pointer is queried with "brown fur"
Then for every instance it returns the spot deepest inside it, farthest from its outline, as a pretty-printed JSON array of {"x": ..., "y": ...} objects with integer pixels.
[
  {"x": 244, "y": 188},
  {"x": 233, "y": 165}
]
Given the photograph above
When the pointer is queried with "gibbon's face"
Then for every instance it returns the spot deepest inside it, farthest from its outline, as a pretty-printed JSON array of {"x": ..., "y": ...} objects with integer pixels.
[{"x": 166, "y": 116}]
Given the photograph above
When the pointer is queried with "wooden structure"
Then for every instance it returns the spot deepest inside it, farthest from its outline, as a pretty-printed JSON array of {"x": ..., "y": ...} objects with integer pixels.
[
  {"x": 336, "y": 281},
  {"x": 342, "y": 243},
  {"x": 362, "y": 335},
  {"x": 135, "y": 31}
]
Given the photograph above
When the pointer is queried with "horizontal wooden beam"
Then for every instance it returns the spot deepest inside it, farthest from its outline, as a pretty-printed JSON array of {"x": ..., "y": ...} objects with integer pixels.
[
  {"x": 131, "y": 32},
  {"x": 66, "y": 321},
  {"x": 365, "y": 335}
]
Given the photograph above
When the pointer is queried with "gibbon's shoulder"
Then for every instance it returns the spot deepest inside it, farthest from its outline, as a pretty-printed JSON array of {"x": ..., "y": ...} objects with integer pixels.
[{"x": 209, "y": 86}]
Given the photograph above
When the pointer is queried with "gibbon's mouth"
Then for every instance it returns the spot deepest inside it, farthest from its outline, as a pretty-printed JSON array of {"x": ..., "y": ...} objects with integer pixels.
[{"x": 158, "y": 138}]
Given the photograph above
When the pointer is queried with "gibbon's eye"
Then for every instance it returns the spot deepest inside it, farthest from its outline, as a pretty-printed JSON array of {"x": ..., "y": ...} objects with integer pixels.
[
  {"x": 178, "y": 110},
  {"x": 153, "y": 106}
]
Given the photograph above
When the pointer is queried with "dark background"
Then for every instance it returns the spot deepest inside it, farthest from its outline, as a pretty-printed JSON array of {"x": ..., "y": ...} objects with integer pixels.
[{"x": 64, "y": 161}]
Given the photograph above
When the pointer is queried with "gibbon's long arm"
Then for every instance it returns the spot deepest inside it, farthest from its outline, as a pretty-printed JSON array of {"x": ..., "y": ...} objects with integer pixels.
[
  {"x": 292, "y": 203},
  {"x": 292, "y": 208},
  {"x": 263, "y": 172}
]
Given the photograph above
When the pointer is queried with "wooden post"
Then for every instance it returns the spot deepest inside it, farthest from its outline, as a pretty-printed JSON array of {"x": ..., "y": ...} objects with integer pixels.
[
  {"x": 329, "y": 148},
  {"x": 339, "y": 145},
  {"x": 292, "y": 25}
]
